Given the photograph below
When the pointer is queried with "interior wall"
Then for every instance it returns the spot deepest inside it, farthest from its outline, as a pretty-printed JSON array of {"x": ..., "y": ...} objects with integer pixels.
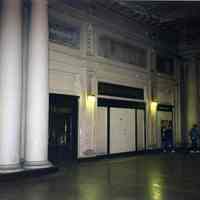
[
  {"x": 71, "y": 76},
  {"x": 70, "y": 73}
]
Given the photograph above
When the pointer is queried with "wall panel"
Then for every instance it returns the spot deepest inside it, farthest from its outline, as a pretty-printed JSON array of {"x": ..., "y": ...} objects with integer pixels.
[
  {"x": 140, "y": 130},
  {"x": 101, "y": 131}
]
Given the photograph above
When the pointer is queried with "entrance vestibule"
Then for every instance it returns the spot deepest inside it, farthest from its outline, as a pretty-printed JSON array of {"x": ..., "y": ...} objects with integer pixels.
[{"x": 63, "y": 128}]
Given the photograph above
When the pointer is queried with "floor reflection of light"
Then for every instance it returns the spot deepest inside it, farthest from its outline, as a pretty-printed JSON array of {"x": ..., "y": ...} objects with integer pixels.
[
  {"x": 89, "y": 191},
  {"x": 156, "y": 191},
  {"x": 155, "y": 187}
]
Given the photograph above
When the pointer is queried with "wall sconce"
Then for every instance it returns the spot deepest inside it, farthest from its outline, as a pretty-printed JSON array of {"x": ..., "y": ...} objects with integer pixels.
[
  {"x": 91, "y": 87},
  {"x": 154, "y": 105},
  {"x": 91, "y": 98},
  {"x": 91, "y": 101}
]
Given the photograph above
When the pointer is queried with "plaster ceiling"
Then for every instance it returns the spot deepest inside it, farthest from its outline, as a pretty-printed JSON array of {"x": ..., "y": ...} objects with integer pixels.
[
  {"x": 164, "y": 11},
  {"x": 154, "y": 12},
  {"x": 171, "y": 20}
]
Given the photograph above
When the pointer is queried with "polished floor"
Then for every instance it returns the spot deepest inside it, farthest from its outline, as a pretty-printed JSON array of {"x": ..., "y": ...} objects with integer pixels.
[{"x": 151, "y": 177}]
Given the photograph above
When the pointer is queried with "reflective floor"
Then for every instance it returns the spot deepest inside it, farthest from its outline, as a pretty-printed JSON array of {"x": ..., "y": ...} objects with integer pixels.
[{"x": 150, "y": 177}]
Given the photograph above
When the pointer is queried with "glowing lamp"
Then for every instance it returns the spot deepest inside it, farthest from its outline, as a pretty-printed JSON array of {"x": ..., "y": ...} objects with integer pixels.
[
  {"x": 91, "y": 98},
  {"x": 154, "y": 105}
]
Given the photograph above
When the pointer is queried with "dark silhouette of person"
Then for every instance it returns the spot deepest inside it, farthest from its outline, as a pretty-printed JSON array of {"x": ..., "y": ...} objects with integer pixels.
[
  {"x": 163, "y": 137},
  {"x": 169, "y": 137},
  {"x": 194, "y": 135}
]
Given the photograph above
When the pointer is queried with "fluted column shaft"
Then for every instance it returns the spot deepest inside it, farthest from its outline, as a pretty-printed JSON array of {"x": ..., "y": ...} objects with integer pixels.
[
  {"x": 10, "y": 85},
  {"x": 191, "y": 95},
  {"x": 36, "y": 142}
]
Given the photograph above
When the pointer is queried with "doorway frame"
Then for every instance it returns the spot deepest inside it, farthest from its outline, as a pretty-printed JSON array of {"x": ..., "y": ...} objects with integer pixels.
[
  {"x": 75, "y": 116},
  {"x": 169, "y": 109},
  {"x": 113, "y": 103}
]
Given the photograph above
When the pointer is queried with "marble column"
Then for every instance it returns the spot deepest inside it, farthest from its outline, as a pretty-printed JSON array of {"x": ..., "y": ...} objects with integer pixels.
[
  {"x": 183, "y": 103},
  {"x": 10, "y": 85},
  {"x": 191, "y": 95},
  {"x": 36, "y": 142}
]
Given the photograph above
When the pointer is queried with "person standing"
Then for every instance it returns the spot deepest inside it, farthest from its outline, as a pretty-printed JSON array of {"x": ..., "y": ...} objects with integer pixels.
[
  {"x": 194, "y": 135},
  {"x": 169, "y": 137},
  {"x": 163, "y": 138}
]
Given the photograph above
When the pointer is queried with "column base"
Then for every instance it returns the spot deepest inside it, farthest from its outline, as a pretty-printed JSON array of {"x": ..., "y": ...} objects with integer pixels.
[
  {"x": 13, "y": 168},
  {"x": 37, "y": 165}
]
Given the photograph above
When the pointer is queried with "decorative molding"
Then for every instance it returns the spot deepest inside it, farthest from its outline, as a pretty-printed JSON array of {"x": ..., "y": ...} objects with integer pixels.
[{"x": 90, "y": 40}]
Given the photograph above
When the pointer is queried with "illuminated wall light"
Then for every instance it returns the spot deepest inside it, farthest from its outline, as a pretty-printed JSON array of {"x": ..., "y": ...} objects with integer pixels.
[
  {"x": 91, "y": 88},
  {"x": 91, "y": 98},
  {"x": 154, "y": 105}
]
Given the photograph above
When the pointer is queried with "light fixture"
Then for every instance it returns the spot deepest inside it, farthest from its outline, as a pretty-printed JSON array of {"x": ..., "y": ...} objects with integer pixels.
[
  {"x": 91, "y": 88},
  {"x": 91, "y": 98},
  {"x": 154, "y": 105}
]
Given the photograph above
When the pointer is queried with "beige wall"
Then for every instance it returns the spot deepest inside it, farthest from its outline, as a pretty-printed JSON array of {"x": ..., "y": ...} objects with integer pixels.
[{"x": 72, "y": 72}]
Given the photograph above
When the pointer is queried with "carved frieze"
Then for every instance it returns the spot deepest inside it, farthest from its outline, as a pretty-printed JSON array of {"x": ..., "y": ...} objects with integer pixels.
[{"x": 90, "y": 40}]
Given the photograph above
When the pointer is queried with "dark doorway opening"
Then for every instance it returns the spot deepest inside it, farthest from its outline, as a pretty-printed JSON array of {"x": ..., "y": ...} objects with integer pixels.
[{"x": 63, "y": 128}]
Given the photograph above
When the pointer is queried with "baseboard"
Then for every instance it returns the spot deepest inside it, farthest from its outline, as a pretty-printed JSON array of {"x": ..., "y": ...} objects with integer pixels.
[
  {"x": 27, "y": 174},
  {"x": 120, "y": 155}
]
